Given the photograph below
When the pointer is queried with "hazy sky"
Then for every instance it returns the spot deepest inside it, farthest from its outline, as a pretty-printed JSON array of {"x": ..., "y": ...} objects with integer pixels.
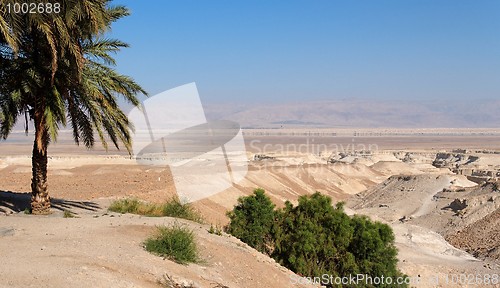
[{"x": 295, "y": 50}]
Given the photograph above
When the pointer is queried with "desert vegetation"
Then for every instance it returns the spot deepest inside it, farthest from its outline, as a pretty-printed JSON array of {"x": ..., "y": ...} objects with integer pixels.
[
  {"x": 216, "y": 230},
  {"x": 175, "y": 243},
  {"x": 171, "y": 208},
  {"x": 252, "y": 221},
  {"x": 68, "y": 214},
  {"x": 314, "y": 237}
]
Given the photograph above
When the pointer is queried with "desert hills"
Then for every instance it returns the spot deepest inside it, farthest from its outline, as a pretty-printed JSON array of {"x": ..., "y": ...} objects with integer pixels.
[
  {"x": 352, "y": 113},
  {"x": 442, "y": 204}
]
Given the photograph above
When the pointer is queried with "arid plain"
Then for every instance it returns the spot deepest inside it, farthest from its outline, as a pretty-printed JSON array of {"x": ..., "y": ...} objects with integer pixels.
[{"x": 437, "y": 188}]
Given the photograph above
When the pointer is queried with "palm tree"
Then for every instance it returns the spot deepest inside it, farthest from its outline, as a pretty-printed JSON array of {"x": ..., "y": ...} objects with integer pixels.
[
  {"x": 7, "y": 20},
  {"x": 58, "y": 67}
]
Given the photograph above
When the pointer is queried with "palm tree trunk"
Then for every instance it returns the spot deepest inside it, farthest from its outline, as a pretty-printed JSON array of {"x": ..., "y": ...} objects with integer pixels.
[{"x": 40, "y": 201}]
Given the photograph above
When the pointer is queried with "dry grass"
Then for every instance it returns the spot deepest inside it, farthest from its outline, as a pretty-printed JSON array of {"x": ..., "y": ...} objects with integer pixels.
[{"x": 172, "y": 208}]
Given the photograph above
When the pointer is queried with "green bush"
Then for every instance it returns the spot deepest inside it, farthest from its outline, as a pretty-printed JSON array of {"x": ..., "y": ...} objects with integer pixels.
[
  {"x": 252, "y": 220},
  {"x": 174, "y": 208},
  {"x": 171, "y": 208},
  {"x": 315, "y": 238},
  {"x": 175, "y": 243}
]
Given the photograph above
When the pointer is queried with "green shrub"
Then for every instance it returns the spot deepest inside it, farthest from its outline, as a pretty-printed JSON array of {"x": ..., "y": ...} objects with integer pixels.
[
  {"x": 125, "y": 206},
  {"x": 171, "y": 208},
  {"x": 252, "y": 220},
  {"x": 373, "y": 248},
  {"x": 315, "y": 238},
  {"x": 175, "y": 243},
  {"x": 174, "y": 208}
]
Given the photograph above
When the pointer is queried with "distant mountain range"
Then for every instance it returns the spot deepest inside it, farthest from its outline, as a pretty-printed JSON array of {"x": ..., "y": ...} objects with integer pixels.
[{"x": 362, "y": 113}]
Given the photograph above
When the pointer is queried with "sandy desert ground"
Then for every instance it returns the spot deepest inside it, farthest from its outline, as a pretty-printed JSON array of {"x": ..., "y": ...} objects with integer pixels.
[{"x": 386, "y": 174}]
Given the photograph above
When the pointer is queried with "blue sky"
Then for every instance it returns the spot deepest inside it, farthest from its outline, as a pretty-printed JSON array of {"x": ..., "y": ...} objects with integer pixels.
[{"x": 245, "y": 51}]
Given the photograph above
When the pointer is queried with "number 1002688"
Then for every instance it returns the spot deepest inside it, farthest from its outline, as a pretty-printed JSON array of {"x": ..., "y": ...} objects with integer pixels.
[{"x": 32, "y": 8}]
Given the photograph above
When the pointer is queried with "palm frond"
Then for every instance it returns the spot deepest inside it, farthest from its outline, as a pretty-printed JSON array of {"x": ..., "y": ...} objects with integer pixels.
[
  {"x": 9, "y": 26},
  {"x": 101, "y": 48}
]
